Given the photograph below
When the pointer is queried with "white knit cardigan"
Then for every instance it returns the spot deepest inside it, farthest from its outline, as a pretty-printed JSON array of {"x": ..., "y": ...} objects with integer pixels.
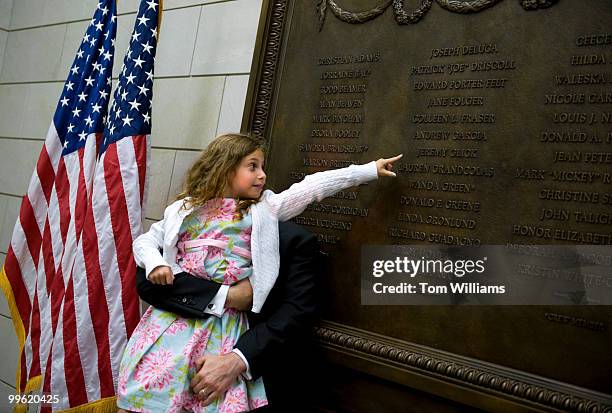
[{"x": 266, "y": 214}]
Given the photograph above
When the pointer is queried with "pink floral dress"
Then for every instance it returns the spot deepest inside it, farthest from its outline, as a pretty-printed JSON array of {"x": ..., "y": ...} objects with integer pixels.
[{"x": 160, "y": 359}]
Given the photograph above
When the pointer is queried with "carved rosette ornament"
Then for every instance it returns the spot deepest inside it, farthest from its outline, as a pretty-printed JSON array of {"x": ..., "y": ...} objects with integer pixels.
[{"x": 402, "y": 17}]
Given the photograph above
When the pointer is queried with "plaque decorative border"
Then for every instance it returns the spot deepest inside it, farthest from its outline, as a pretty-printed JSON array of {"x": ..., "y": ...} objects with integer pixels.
[
  {"x": 402, "y": 18},
  {"x": 271, "y": 49},
  {"x": 506, "y": 383},
  {"x": 540, "y": 392}
]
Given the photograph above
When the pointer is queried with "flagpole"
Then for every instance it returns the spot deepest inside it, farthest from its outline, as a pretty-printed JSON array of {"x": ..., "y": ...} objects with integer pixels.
[{"x": 159, "y": 17}]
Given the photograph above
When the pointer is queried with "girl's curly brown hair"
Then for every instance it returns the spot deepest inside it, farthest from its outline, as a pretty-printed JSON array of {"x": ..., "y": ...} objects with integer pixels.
[{"x": 208, "y": 176}]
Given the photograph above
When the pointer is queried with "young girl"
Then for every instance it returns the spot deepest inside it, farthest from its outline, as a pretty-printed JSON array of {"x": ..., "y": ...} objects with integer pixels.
[{"x": 223, "y": 227}]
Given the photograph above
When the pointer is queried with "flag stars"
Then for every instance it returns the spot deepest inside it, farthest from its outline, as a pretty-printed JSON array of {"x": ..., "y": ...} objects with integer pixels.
[
  {"x": 134, "y": 104},
  {"x": 142, "y": 20},
  {"x": 147, "y": 47},
  {"x": 143, "y": 90},
  {"x": 138, "y": 62},
  {"x": 152, "y": 5},
  {"x": 127, "y": 120},
  {"x": 89, "y": 86}
]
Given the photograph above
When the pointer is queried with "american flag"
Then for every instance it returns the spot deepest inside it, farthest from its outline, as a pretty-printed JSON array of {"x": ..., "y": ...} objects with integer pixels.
[
  {"x": 69, "y": 271},
  {"x": 114, "y": 218}
]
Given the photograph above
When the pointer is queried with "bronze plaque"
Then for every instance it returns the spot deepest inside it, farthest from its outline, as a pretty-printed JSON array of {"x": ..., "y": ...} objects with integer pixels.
[{"x": 503, "y": 111}]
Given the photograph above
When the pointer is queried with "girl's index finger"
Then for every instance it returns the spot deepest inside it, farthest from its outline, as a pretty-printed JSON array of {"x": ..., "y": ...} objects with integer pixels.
[{"x": 395, "y": 158}]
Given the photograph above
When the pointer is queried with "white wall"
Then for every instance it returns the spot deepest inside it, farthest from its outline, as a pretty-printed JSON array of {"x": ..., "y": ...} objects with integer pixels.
[
  {"x": 8, "y": 340},
  {"x": 203, "y": 61}
]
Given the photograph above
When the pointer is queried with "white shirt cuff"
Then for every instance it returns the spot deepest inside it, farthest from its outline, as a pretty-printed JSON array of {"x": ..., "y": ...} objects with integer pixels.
[
  {"x": 217, "y": 305},
  {"x": 247, "y": 372},
  {"x": 372, "y": 170}
]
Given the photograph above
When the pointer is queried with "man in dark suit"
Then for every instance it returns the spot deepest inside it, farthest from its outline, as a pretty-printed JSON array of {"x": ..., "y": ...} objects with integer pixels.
[{"x": 277, "y": 345}]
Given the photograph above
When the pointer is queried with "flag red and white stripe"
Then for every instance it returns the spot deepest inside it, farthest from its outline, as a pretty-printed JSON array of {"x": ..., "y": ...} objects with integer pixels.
[
  {"x": 69, "y": 271},
  {"x": 104, "y": 304}
]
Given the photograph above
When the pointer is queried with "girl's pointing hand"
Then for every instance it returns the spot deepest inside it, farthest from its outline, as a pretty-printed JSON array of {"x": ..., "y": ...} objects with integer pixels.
[{"x": 384, "y": 166}]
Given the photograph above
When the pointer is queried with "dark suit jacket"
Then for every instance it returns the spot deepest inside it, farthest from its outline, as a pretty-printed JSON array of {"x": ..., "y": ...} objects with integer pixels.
[{"x": 278, "y": 342}]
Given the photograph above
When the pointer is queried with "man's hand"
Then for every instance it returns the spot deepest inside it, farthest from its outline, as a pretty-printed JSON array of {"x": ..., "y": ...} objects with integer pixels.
[
  {"x": 215, "y": 375},
  {"x": 240, "y": 296},
  {"x": 384, "y": 166},
  {"x": 161, "y": 274}
]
